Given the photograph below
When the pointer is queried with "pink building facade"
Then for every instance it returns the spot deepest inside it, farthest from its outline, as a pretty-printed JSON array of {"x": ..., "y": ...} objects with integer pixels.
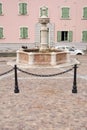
[{"x": 19, "y": 21}]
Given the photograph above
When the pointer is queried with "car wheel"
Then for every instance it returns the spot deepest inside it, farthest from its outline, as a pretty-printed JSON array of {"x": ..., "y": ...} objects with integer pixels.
[{"x": 79, "y": 53}]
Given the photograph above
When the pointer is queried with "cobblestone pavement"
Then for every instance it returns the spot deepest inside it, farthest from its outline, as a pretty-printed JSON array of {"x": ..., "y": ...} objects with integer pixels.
[{"x": 44, "y": 103}]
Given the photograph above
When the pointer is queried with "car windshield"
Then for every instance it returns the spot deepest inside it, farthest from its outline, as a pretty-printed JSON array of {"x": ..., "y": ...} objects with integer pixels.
[{"x": 71, "y": 48}]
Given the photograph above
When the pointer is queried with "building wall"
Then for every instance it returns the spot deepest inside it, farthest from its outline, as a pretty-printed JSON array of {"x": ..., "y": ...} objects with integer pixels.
[{"x": 11, "y": 21}]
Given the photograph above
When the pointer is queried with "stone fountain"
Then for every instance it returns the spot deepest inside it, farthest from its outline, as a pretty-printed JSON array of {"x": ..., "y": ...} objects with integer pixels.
[{"x": 44, "y": 55}]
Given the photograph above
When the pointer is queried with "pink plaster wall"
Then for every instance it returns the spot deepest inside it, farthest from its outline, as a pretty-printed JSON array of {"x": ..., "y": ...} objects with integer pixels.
[{"x": 11, "y": 21}]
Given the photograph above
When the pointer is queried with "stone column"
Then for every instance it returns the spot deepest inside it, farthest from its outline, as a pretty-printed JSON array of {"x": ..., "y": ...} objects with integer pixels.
[
  {"x": 43, "y": 34},
  {"x": 53, "y": 58}
]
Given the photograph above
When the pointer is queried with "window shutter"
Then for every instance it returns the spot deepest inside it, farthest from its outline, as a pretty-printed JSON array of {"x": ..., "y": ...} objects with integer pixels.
[
  {"x": 58, "y": 36},
  {"x": 84, "y": 36},
  {"x": 24, "y": 32},
  {"x": 23, "y": 8},
  {"x": 21, "y": 32},
  {"x": 20, "y": 8},
  {"x": 0, "y": 8},
  {"x": 70, "y": 36},
  {"x": 47, "y": 12},
  {"x": 85, "y": 12},
  {"x": 40, "y": 12},
  {"x": 65, "y": 12},
  {"x": 1, "y": 32}
]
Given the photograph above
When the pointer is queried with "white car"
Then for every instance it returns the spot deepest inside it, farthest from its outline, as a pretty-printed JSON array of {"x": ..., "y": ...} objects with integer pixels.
[{"x": 71, "y": 50}]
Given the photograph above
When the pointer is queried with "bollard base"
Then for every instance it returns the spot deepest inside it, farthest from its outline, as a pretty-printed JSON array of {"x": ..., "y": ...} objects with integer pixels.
[
  {"x": 74, "y": 90},
  {"x": 16, "y": 90}
]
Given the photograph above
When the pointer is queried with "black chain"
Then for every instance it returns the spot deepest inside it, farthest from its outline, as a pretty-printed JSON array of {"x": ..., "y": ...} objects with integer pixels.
[
  {"x": 49, "y": 75},
  {"x": 6, "y": 72}
]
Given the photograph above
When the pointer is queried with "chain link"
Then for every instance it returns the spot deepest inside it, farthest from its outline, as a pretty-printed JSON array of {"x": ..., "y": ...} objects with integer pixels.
[
  {"x": 49, "y": 75},
  {"x": 6, "y": 72}
]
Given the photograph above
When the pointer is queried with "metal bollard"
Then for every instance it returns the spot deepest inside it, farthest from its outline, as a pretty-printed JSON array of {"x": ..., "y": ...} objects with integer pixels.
[
  {"x": 16, "y": 90},
  {"x": 74, "y": 90}
]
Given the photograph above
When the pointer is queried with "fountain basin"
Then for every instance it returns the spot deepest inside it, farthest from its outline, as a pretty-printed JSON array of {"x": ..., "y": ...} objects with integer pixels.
[{"x": 42, "y": 58}]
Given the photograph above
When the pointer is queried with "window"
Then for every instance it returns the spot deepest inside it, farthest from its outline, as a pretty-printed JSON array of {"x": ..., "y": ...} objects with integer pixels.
[
  {"x": 65, "y": 13},
  {"x": 0, "y": 8},
  {"x": 85, "y": 12},
  {"x": 24, "y": 32},
  {"x": 64, "y": 36},
  {"x": 1, "y": 32},
  {"x": 43, "y": 11},
  {"x": 22, "y": 8},
  {"x": 84, "y": 36}
]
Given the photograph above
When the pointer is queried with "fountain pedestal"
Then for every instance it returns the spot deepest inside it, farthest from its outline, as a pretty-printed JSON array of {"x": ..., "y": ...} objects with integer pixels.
[{"x": 44, "y": 32}]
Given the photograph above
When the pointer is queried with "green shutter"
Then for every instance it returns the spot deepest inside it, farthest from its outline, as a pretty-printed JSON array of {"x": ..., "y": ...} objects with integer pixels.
[
  {"x": 84, "y": 36},
  {"x": 70, "y": 36},
  {"x": 20, "y": 8},
  {"x": 23, "y": 8},
  {"x": 85, "y": 12},
  {"x": 1, "y": 32},
  {"x": 58, "y": 36},
  {"x": 65, "y": 12},
  {"x": 0, "y": 8},
  {"x": 21, "y": 32},
  {"x": 24, "y": 32},
  {"x": 46, "y": 12},
  {"x": 40, "y": 12}
]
